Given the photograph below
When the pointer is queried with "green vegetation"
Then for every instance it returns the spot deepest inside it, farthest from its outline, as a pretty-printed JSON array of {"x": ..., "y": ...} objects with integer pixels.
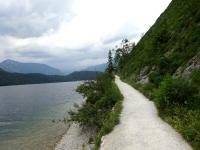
[
  {"x": 178, "y": 103},
  {"x": 110, "y": 68},
  {"x": 169, "y": 44},
  {"x": 102, "y": 107},
  {"x": 175, "y": 92},
  {"x": 7, "y": 78},
  {"x": 103, "y": 104},
  {"x": 82, "y": 75},
  {"x": 165, "y": 66}
]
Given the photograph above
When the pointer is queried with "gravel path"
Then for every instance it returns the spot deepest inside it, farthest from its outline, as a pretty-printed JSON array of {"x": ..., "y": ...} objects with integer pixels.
[{"x": 140, "y": 127}]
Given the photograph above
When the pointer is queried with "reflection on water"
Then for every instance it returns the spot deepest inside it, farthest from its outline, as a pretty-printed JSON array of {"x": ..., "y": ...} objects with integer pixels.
[{"x": 30, "y": 114}]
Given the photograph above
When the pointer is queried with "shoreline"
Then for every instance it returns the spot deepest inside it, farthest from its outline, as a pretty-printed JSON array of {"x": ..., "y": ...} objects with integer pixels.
[{"x": 75, "y": 138}]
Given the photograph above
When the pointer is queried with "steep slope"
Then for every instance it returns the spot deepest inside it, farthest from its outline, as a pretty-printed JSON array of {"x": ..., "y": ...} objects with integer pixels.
[
  {"x": 170, "y": 43},
  {"x": 18, "y": 67},
  {"x": 165, "y": 66}
]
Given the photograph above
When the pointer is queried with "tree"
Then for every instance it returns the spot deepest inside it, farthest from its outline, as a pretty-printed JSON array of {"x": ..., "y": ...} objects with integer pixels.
[
  {"x": 117, "y": 57},
  {"x": 122, "y": 54},
  {"x": 110, "y": 68},
  {"x": 125, "y": 46}
]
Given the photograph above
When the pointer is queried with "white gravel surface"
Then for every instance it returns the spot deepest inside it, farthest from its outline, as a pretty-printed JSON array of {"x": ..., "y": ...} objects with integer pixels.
[
  {"x": 140, "y": 127},
  {"x": 75, "y": 139}
]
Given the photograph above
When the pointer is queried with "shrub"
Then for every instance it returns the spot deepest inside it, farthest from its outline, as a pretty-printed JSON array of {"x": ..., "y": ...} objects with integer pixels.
[
  {"x": 196, "y": 77},
  {"x": 187, "y": 122},
  {"x": 175, "y": 91},
  {"x": 102, "y": 107},
  {"x": 155, "y": 78}
]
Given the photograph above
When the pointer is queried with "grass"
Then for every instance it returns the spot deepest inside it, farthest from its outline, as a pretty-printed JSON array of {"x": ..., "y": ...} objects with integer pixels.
[{"x": 186, "y": 121}]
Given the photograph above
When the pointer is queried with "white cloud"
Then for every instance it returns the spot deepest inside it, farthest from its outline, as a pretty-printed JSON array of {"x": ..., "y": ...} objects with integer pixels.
[{"x": 73, "y": 33}]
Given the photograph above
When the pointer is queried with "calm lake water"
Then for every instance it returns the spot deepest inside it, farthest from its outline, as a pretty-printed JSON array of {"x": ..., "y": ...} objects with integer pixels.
[{"x": 30, "y": 114}]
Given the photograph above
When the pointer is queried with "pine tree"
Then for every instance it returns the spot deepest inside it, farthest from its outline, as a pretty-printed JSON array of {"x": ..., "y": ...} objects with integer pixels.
[{"x": 110, "y": 68}]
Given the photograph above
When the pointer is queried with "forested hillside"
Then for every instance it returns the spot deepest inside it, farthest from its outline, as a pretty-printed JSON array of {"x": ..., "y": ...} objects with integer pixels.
[
  {"x": 165, "y": 66},
  {"x": 7, "y": 78}
]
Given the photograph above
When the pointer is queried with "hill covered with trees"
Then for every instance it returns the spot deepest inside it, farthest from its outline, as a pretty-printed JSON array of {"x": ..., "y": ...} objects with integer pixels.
[{"x": 7, "y": 78}]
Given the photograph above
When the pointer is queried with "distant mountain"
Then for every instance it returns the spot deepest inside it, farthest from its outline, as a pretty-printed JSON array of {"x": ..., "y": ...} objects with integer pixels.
[
  {"x": 7, "y": 78},
  {"x": 18, "y": 67},
  {"x": 100, "y": 68}
]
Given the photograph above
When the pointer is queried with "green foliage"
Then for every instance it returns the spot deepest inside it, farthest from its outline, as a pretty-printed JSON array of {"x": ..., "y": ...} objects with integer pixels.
[
  {"x": 175, "y": 91},
  {"x": 109, "y": 123},
  {"x": 110, "y": 68},
  {"x": 171, "y": 42},
  {"x": 178, "y": 102},
  {"x": 82, "y": 75},
  {"x": 155, "y": 77},
  {"x": 195, "y": 77},
  {"x": 102, "y": 107},
  {"x": 122, "y": 54}
]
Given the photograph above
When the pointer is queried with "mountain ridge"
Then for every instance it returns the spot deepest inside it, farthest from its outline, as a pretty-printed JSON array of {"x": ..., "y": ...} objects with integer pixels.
[
  {"x": 7, "y": 78},
  {"x": 20, "y": 67}
]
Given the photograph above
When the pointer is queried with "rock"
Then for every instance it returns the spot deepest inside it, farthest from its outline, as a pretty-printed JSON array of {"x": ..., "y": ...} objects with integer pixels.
[
  {"x": 178, "y": 72},
  {"x": 192, "y": 65},
  {"x": 143, "y": 78},
  {"x": 144, "y": 71},
  {"x": 168, "y": 53}
]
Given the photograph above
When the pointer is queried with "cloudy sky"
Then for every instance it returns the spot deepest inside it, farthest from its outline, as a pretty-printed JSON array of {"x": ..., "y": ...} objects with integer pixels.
[{"x": 71, "y": 34}]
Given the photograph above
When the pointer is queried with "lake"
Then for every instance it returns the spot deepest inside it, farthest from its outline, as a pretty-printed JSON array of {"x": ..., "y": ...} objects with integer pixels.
[{"x": 31, "y": 116}]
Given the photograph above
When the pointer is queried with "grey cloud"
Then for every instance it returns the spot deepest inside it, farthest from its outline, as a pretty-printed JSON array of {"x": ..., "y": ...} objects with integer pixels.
[
  {"x": 70, "y": 59},
  {"x": 112, "y": 39},
  {"x": 33, "y": 18},
  {"x": 35, "y": 54}
]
